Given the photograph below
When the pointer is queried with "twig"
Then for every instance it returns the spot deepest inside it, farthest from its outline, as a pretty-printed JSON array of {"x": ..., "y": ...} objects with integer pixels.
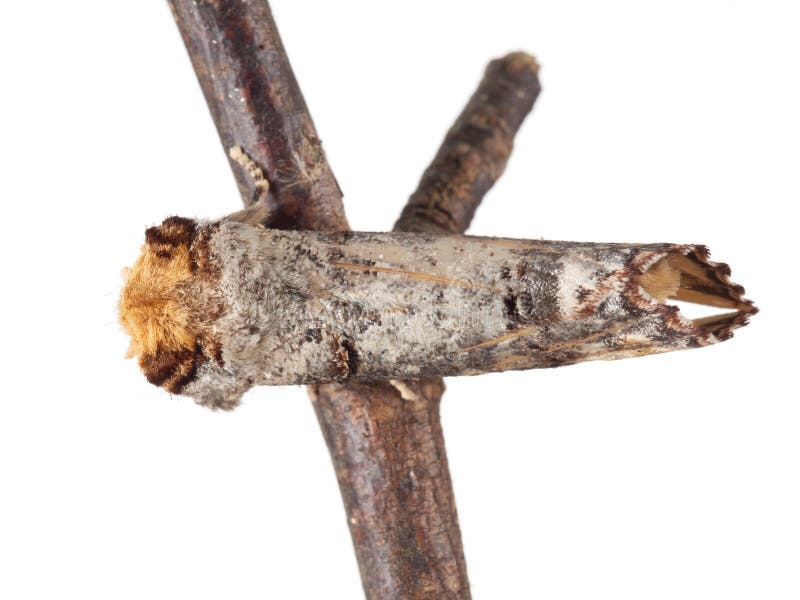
[
  {"x": 388, "y": 450},
  {"x": 395, "y": 481},
  {"x": 475, "y": 150},
  {"x": 256, "y": 104},
  {"x": 386, "y": 441}
]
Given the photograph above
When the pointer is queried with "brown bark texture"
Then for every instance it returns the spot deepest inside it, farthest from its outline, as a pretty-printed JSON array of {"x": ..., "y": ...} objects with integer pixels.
[
  {"x": 395, "y": 479},
  {"x": 256, "y": 103},
  {"x": 475, "y": 150},
  {"x": 385, "y": 440}
]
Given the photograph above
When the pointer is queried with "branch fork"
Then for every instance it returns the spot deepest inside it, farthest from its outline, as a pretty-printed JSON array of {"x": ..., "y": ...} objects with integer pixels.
[{"x": 385, "y": 437}]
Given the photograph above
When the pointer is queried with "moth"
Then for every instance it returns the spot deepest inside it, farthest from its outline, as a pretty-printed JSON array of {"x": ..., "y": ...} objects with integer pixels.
[{"x": 215, "y": 307}]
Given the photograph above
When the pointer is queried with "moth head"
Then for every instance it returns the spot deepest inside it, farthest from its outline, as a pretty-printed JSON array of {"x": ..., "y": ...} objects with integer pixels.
[{"x": 154, "y": 307}]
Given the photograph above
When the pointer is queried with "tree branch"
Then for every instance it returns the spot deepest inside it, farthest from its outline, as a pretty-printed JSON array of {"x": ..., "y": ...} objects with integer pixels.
[
  {"x": 475, "y": 151},
  {"x": 388, "y": 450},
  {"x": 256, "y": 103},
  {"x": 395, "y": 479},
  {"x": 385, "y": 440}
]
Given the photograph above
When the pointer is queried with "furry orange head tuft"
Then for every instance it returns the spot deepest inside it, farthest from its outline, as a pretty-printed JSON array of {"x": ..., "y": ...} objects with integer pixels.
[{"x": 155, "y": 305}]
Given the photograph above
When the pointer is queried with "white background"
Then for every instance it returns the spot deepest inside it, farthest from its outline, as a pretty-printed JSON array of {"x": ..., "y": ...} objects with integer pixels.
[{"x": 671, "y": 476}]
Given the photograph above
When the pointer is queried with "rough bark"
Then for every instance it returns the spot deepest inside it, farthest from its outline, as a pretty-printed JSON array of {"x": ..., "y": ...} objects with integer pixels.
[
  {"x": 475, "y": 150},
  {"x": 405, "y": 527},
  {"x": 388, "y": 452},
  {"x": 471, "y": 158},
  {"x": 256, "y": 103},
  {"x": 390, "y": 460}
]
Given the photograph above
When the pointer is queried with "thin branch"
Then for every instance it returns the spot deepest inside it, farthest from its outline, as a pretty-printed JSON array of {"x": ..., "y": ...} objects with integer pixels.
[
  {"x": 475, "y": 151},
  {"x": 388, "y": 450},
  {"x": 256, "y": 103},
  {"x": 395, "y": 479},
  {"x": 386, "y": 441}
]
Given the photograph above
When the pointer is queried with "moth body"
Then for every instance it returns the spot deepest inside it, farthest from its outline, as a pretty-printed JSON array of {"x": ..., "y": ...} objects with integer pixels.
[{"x": 214, "y": 308}]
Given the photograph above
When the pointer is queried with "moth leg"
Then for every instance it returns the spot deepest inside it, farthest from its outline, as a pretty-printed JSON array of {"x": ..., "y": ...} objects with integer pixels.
[
  {"x": 257, "y": 213},
  {"x": 240, "y": 157}
]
